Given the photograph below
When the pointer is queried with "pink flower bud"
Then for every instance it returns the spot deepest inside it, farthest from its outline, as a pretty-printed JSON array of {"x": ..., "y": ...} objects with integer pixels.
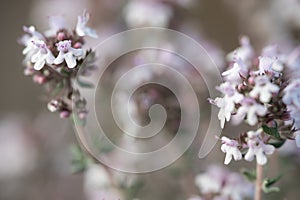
[
  {"x": 39, "y": 79},
  {"x": 64, "y": 114},
  {"x": 61, "y": 36},
  {"x": 241, "y": 87},
  {"x": 272, "y": 124},
  {"x": 77, "y": 45},
  {"x": 28, "y": 71},
  {"x": 82, "y": 114},
  {"x": 251, "y": 80}
]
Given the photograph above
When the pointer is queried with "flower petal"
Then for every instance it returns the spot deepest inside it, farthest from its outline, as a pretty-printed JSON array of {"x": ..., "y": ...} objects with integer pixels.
[
  {"x": 60, "y": 58},
  {"x": 70, "y": 60}
]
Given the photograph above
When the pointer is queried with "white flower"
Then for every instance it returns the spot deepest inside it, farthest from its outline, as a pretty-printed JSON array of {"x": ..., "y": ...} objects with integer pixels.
[
  {"x": 67, "y": 53},
  {"x": 292, "y": 93},
  {"x": 230, "y": 147},
  {"x": 269, "y": 64},
  {"x": 249, "y": 109},
  {"x": 42, "y": 56},
  {"x": 139, "y": 13},
  {"x": 211, "y": 181},
  {"x": 237, "y": 70},
  {"x": 223, "y": 185},
  {"x": 28, "y": 41},
  {"x": 82, "y": 29},
  {"x": 263, "y": 89},
  {"x": 33, "y": 33},
  {"x": 245, "y": 51},
  {"x": 257, "y": 148},
  {"x": 236, "y": 188},
  {"x": 227, "y": 103},
  {"x": 56, "y": 23}
]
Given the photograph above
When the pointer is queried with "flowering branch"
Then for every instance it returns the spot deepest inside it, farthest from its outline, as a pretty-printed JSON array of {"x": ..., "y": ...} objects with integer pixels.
[
  {"x": 258, "y": 91},
  {"x": 53, "y": 59}
]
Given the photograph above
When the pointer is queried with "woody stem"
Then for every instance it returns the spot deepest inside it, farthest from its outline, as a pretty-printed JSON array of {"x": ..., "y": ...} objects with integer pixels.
[{"x": 258, "y": 183}]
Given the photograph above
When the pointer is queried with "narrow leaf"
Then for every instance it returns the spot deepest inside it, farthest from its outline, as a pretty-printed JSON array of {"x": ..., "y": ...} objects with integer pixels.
[{"x": 271, "y": 131}]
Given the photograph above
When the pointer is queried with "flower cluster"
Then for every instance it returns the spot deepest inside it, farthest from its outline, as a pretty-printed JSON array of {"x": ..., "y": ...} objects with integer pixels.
[
  {"x": 53, "y": 59},
  {"x": 217, "y": 183},
  {"x": 257, "y": 91}
]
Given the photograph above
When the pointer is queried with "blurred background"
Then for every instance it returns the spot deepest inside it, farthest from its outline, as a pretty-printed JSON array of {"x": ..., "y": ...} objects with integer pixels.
[{"x": 35, "y": 154}]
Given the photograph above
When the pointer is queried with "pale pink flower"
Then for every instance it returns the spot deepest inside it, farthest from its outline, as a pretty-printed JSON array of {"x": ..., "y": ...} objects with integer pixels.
[
  {"x": 82, "y": 29},
  {"x": 245, "y": 51},
  {"x": 67, "y": 53},
  {"x": 269, "y": 64},
  {"x": 257, "y": 148},
  {"x": 237, "y": 70},
  {"x": 227, "y": 103},
  {"x": 42, "y": 56},
  {"x": 56, "y": 23},
  {"x": 230, "y": 147},
  {"x": 251, "y": 110},
  {"x": 263, "y": 89},
  {"x": 292, "y": 93}
]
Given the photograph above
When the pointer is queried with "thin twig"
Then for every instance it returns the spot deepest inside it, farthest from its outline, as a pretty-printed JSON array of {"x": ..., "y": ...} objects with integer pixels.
[{"x": 258, "y": 183}]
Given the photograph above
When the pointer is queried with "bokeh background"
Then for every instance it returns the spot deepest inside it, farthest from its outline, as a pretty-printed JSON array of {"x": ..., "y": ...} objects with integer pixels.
[{"x": 35, "y": 156}]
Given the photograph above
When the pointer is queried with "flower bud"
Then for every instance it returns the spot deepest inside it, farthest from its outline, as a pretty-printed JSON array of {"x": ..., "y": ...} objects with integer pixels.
[
  {"x": 39, "y": 79},
  {"x": 53, "y": 105},
  {"x": 61, "y": 36},
  {"x": 82, "y": 114},
  {"x": 28, "y": 71},
  {"x": 77, "y": 45},
  {"x": 64, "y": 114},
  {"x": 251, "y": 80}
]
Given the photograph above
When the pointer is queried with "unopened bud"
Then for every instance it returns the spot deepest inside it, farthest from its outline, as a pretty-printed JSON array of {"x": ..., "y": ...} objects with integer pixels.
[
  {"x": 53, "y": 105},
  {"x": 64, "y": 114},
  {"x": 77, "y": 45},
  {"x": 39, "y": 79},
  {"x": 61, "y": 36}
]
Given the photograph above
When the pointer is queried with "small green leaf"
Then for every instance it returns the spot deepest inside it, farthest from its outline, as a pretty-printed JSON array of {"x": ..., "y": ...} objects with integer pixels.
[
  {"x": 84, "y": 84},
  {"x": 270, "y": 189},
  {"x": 249, "y": 174},
  {"x": 80, "y": 161},
  {"x": 267, "y": 184},
  {"x": 272, "y": 181},
  {"x": 271, "y": 131},
  {"x": 277, "y": 143}
]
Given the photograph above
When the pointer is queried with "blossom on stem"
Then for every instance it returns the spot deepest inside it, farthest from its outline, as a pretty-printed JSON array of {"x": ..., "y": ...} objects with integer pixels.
[
  {"x": 292, "y": 93},
  {"x": 245, "y": 51},
  {"x": 33, "y": 33},
  {"x": 82, "y": 29},
  {"x": 251, "y": 110},
  {"x": 263, "y": 89},
  {"x": 230, "y": 147},
  {"x": 227, "y": 103},
  {"x": 269, "y": 64},
  {"x": 42, "y": 56},
  {"x": 237, "y": 70},
  {"x": 258, "y": 148},
  {"x": 67, "y": 53},
  {"x": 56, "y": 24},
  {"x": 223, "y": 184}
]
